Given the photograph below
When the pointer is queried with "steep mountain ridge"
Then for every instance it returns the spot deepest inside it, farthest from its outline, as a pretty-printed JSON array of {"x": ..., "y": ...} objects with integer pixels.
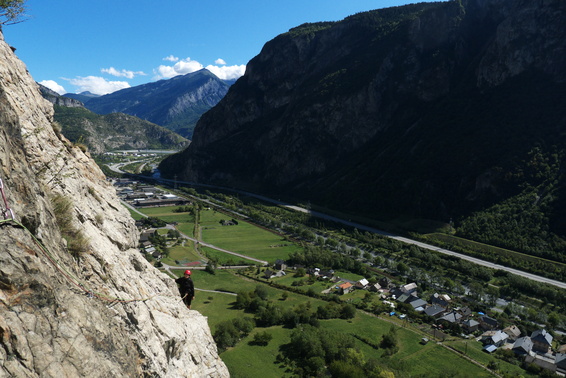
[
  {"x": 103, "y": 310},
  {"x": 175, "y": 103},
  {"x": 427, "y": 109},
  {"x": 56, "y": 99},
  {"x": 102, "y": 133}
]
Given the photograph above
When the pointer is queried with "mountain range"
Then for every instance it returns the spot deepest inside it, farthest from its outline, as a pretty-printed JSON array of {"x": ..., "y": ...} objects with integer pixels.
[
  {"x": 434, "y": 110},
  {"x": 114, "y": 131},
  {"x": 175, "y": 103}
]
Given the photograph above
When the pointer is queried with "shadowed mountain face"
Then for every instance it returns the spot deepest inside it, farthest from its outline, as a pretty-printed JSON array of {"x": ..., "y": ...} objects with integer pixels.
[
  {"x": 432, "y": 110},
  {"x": 176, "y": 103}
]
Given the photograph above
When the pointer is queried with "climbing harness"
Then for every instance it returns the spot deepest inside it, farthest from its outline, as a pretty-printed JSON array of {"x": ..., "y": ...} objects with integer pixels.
[{"x": 7, "y": 212}]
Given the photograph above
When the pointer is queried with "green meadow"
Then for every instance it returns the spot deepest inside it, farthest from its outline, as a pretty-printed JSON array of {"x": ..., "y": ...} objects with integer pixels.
[
  {"x": 244, "y": 238},
  {"x": 247, "y": 359}
]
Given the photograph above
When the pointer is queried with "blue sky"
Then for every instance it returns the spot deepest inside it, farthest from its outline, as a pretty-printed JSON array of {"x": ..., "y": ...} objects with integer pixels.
[{"x": 106, "y": 45}]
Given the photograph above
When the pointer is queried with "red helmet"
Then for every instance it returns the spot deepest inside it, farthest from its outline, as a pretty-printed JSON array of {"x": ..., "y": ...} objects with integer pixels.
[{"x": 188, "y": 272}]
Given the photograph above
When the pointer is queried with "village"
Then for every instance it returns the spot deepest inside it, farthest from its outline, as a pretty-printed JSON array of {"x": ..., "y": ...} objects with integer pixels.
[{"x": 446, "y": 315}]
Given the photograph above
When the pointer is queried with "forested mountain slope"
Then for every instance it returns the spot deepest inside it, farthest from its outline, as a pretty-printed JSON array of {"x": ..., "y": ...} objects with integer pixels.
[
  {"x": 435, "y": 110},
  {"x": 102, "y": 133}
]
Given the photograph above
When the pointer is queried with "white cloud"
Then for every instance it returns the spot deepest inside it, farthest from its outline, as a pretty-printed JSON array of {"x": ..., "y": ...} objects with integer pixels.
[
  {"x": 182, "y": 67},
  {"x": 187, "y": 65},
  {"x": 123, "y": 73},
  {"x": 53, "y": 86},
  {"x": 171, "y": 58},
  {"x": 97, "y": 85},
  {"x": 227, "y": 72}
]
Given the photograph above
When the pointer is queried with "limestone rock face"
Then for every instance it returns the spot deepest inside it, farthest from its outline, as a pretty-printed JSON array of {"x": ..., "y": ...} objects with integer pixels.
[{"x": 103, "y": 311}]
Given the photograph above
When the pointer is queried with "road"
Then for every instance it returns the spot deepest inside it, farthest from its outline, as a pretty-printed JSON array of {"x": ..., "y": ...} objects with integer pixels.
[
  {"x": 488, "y": 264},
  {"x": 359, "y": 226}
]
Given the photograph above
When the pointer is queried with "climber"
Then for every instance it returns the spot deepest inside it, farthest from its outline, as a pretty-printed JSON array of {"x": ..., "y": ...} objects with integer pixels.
[{"x": 186, "y": 288}]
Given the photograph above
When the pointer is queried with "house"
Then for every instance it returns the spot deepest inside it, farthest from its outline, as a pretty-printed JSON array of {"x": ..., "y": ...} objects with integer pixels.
[
  {"x": 470, "y": 325},
  {"x": 487, "y": 323},
  {"x": 435, "y": 311},
  {"x": 465, "y": 311},
  {"x": 326, "y": 274},
  {"x": 268, "y": 274},
  {"x": 560, "y": 362},
  {"x": 405, "y": 298},
  {"x": 498, "y": 339},
  {"x": 345, "y": 288},
  {"x": 418, "y": 304},
  {"x": 362, "y": 284},
  {"x": 146, "y": 235},
  {"x": 440, "y": 299},
  {"x": 385, "y": 282},
  {"x": 513, "y": 331},
  {"x": 150, "y": 250},
  {"x": 544, "y": 362},
  {"x": 409, "y": 288},
  {"x": 522, "y": 346},
  {"x": 375, "y": 287},
  {"x": 489, "y": 348},
  {"x": 452, "y": 318},
  {"x": 542, "y": 341},
  {"x": 280, "y": 264}
]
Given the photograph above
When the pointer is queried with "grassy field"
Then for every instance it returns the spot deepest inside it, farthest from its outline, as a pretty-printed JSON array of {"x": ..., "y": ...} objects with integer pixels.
[
  {"x": 244, "y": 238},
  {"x": 257, "y": 358},
  {"x": 182, "y": 254},
  {"x": 474, "y": 350},
  {"x": 224, "y": 258},
  {"x": 247, "y": 359},
  {"x": 134, "y": 214},
  {"x": 227, "y": 280}
]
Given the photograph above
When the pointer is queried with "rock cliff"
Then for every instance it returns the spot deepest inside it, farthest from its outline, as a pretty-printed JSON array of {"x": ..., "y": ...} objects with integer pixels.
[
  {"x": 102, "y": 310},
  {"x": 423, "y": 109}
]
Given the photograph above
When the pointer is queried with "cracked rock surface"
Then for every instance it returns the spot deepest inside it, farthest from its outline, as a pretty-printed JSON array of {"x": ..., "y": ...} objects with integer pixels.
[{"x": 103, "y": 311}]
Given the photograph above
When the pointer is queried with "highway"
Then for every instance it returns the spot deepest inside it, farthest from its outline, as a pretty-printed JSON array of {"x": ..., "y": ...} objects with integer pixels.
[
  {"x": 359, "y": 226},
  {"x": 488, "y": 264}
]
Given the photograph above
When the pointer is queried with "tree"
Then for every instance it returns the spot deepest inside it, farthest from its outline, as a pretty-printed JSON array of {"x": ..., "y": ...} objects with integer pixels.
[
  {"x": 11, "y": 11},
  {"x": 210, "y": 268},
  {"x": 348, "y": 311},
  {"x": 262, "y": 338}
]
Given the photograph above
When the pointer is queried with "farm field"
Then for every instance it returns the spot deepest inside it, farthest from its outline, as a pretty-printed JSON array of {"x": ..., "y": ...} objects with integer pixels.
[
  {"x": 244, "y": 238},
  {"x": 224, "y": 258}
]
